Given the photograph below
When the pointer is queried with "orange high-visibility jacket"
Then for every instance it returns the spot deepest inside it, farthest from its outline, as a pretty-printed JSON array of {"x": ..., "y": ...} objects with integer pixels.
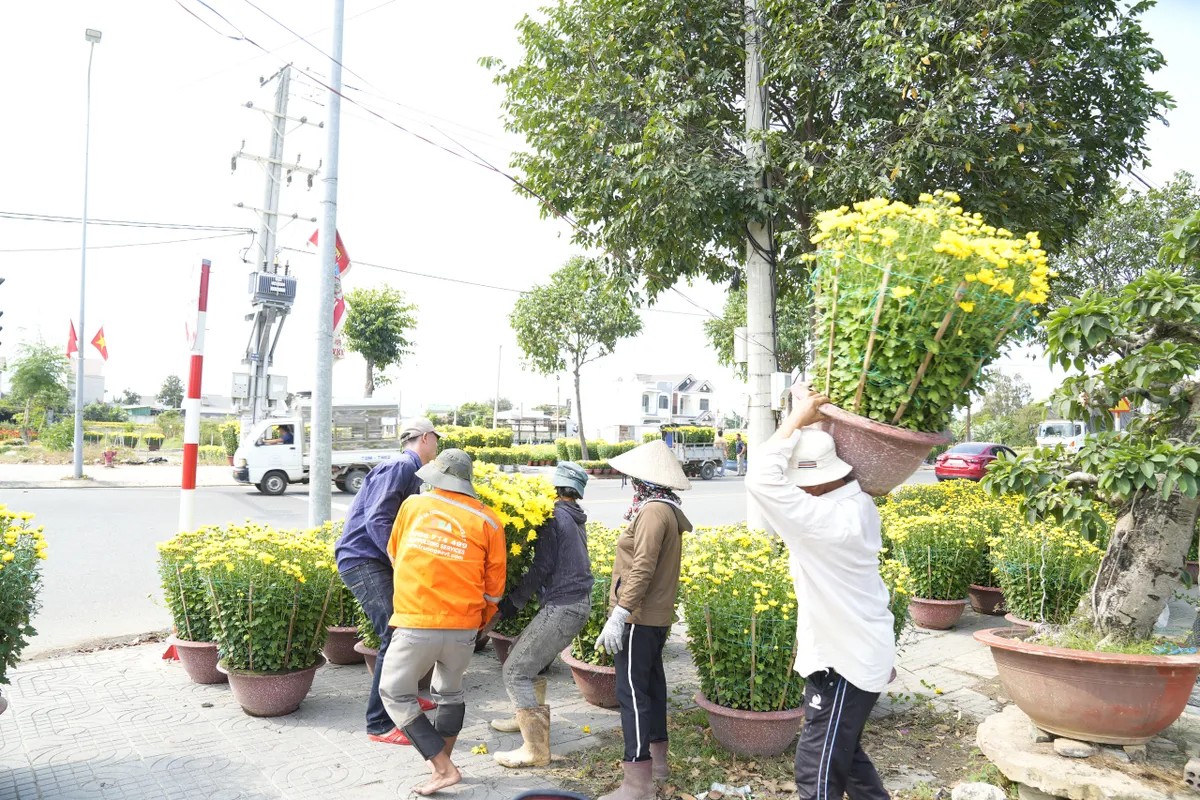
[{"x": 447, "y": 550}]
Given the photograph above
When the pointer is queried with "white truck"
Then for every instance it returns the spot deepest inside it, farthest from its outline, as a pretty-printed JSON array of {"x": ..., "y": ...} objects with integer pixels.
[
  {"x": 1071, "y": 434},
  {"x": 276, "y": 451}
]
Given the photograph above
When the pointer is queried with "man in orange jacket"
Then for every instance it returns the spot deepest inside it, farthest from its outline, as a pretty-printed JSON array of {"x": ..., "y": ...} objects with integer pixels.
[{"x": 448, "y": 552}]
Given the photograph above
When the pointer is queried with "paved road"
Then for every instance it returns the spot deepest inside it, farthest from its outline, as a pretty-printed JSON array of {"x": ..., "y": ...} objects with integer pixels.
[{"x": 100, "y": 580}]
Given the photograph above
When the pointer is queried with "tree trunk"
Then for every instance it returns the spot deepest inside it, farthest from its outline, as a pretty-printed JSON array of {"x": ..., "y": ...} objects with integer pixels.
[
  {"x": 369, "y": 389},
  {"x": 583, "y": 451},
  {"x": 1146, "y": 554}
]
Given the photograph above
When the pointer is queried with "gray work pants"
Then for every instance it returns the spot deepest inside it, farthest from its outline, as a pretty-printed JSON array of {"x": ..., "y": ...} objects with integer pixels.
[
  {"x": 410, "y": 655},
  {"x": 546, "y": 635}
]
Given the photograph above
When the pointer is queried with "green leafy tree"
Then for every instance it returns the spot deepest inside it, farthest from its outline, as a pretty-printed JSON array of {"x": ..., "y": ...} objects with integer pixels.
[
  {"x": 634, "y": 117},
  {"x": 1144, "y": 343},
  {"x": 575, "y": 319},
  {"x": 378, "y": 325},
  {"x": 791, "y": 339},
  {"x": 1004, "y": 395},
  {"x": 480, "y": 414},
  {"x": 171, "y": 393},
  {"x": 171, "y": 424},
  {"x": 130, "y": 398},
  {"x": 103, "y": 412},
  {"x": 39, "y": 378},
  {"x": 1122, "y": 241}
]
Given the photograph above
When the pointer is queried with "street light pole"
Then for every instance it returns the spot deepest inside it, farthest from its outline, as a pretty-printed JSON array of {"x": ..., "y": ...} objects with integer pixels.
[{"x": 93, "y": 36}]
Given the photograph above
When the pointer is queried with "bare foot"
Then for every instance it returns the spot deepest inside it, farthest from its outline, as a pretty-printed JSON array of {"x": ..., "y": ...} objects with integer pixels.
[{"x": 438, "y": 781}]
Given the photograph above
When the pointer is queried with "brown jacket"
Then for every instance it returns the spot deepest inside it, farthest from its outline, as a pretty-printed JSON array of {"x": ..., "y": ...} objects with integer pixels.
[{"x": 645, "y": 577}]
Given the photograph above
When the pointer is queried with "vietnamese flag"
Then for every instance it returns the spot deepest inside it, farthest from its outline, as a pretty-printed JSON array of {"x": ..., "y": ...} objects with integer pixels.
[
  {"x": 100, "y": 344},
  {"x": 343, "y": 264},
  {"x": 72, "y": 341}
]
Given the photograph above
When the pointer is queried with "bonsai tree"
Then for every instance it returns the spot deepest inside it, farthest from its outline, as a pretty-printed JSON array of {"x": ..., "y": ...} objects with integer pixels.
[{"x": 1142, "y": 344}]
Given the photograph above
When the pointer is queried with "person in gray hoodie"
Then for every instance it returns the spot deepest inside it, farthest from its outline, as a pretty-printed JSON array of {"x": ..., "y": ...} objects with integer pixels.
[{"x": 562, "y": 573}]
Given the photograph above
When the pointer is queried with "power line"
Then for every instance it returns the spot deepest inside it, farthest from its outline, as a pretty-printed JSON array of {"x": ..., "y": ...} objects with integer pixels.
[
  {"x": 24, "y": 216},
  {"x": 128, "y": 244},
  {"x": 302, "y": 39}
]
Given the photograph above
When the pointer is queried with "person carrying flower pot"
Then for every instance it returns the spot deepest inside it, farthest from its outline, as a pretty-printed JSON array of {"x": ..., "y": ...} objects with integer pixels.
[
  {"x": 845, "y": 641},
  {"x": 362, "y": 552},
  {"x": 450, "y": 566},
  {"x": 562, "y": 573},
  {"x": 645, "y": 590}
]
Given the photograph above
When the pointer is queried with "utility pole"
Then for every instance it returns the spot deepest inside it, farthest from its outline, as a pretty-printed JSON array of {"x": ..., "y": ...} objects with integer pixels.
[
  {"x": 93, "y": 36},
  {"x": 760, "y": 309},
  {"x": 320, "y": 473},
  {"x": 496, "y": 399}
]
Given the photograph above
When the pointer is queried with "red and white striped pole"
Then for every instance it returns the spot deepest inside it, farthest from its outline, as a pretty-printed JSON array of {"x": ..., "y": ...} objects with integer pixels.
[{"x": 191, "y": 410}]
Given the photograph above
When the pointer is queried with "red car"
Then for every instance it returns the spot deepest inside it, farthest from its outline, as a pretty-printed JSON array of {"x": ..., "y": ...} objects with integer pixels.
[{"x": 969, "y": 460}]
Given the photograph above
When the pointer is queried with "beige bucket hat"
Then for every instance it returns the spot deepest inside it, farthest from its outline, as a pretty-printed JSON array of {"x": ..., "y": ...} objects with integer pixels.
[
  {"x": 654, "y": 463},
  {"x": 814, "y": 459}
]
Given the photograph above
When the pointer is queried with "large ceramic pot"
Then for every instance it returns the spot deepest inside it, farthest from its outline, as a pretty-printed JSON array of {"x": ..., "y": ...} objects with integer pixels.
[
  {"x": 339, "y": 646},
  {"x": 883, "y": 456},
  {"x": 503, "y": 645},
  {"x": 271, "y": 694},
  {"x": 369, "y": 655},
  {"x": 199, "y": 660},
  {"x": 936, "y": 615},
  {"x": 1094, "y": 697},
  {"x": 986, "y": 600},
  {"x": 1018, "y": 623},
  {"x": 598, "y": 685},
  {"x": 752, "y": 733}
]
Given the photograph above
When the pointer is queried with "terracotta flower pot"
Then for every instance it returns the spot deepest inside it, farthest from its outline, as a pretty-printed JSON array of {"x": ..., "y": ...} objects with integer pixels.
[
  {"x": 752, "y": 733},
  {"x": 1094, "y": 697},
  {"x": 339, "y": 646},
  {"x": 369, "y": 655},
  {"x": 936, "y": 615},
  {"x": 199, "y": 660},
  {"x": 230, "y": 460},
  {"x": 883, "y": 456},
  {"x": 271, "y": 694},
  {"x": 503, "y": 645},
  {"x": 1193, "y": 569},
  {"x": 1017, "y": 622},
  {"x": 3, "y": 704},
  {"x": 987, "y": 600},
  {"x": 598, "y": 685}
]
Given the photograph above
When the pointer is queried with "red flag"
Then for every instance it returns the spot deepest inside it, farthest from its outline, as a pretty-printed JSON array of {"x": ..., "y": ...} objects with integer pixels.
[
  {"x": 72, "y": 341},
  {"x": 100, "y": 344},
  {"x": 339, "y": 251}
]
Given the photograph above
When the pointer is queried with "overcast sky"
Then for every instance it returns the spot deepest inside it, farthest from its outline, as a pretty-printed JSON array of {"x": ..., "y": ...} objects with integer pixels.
[{"x": 168, "y": 112}]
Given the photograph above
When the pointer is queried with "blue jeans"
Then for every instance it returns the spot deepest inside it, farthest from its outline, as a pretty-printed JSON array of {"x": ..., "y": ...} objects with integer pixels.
[{"x": 372, "y": 584}]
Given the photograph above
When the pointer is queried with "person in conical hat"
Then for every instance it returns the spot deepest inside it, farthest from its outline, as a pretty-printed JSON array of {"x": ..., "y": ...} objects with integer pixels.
[
  {"x": 845, "y": 639},
  {"x": 645, "y": 589}
]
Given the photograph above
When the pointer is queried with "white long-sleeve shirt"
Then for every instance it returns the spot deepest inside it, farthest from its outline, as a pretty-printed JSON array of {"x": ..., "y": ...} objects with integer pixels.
[{"x": 843, "y": 621}]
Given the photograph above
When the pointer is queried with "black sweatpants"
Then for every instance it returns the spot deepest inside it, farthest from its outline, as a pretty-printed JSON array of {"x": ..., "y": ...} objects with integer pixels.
[
  {"x": 642, "y": 689},
  {"x": 830, "y": 760}
]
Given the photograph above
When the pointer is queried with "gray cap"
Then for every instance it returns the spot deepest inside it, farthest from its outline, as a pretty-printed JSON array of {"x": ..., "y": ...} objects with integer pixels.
[
  {"x": 570, "y": 476},
  {"x": 415, "y": 428},
  {"x": 451, "y": 471}
]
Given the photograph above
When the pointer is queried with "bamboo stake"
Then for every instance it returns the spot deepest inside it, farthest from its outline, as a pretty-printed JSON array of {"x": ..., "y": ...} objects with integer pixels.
[
  {"x": 979, "y": 365},
  {"x": 937, "y": 337},
  {"x": 832, "y": 327},
  {"x": 862, "y": 380},
  {"x": 791, "y": 672},
  {"x": 287, "y": 655},
  {"x": 250, "y": 625},
  {"x": 187, "y": 618},
  {"x": 753, "y": 655},
  {"x": 212, "y": 592},
  {"x": 711, "y": 658},
  {"x": 324, "y": 610}
]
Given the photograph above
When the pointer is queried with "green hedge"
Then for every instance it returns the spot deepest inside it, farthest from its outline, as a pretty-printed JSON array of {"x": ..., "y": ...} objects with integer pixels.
[
  {"x": 686, "y": 434},
  {"x": 463, "y": 437}
]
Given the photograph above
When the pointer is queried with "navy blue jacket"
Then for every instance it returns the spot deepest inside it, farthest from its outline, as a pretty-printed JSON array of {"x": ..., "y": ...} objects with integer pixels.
[
  {"x": 368, "y": 526},
  {"x": 561, "y": 571}
]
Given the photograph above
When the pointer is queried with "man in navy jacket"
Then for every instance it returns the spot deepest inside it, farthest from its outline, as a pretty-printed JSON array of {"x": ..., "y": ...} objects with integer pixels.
[{"x": 362, "y": 556}]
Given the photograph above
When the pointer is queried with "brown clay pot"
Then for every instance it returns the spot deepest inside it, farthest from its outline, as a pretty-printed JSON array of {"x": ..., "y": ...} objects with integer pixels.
[
  {"x": 271, "y": 694},
  {"x": 987, "y": 600},
  {"x": 1094, "y": 697},
  {"x": 369, "y": 655},
  {"x": 199, "y": 660},
  {"x": 936, "y": 615},
  {"x": 1193, "y": 569},
  {"x": 503, "y": 645},
  {"x": 883, "y": 456},
  {"x": 339, "y": 646},
  {"x": 1017, "y": 622},
  {"x": 752, "y": 733},
  {"x": 598, "y": 685},
  {"x": 3, "y": 704}
]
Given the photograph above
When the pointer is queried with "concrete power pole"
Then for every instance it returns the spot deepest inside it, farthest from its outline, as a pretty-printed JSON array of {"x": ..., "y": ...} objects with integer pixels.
[
  {"x": 760, "y": 308},
  {"x": 320, "y": 473}
]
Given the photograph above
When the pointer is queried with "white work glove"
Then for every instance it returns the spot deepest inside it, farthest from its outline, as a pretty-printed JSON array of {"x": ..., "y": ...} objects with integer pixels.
[{"x": 611, "y": 638}]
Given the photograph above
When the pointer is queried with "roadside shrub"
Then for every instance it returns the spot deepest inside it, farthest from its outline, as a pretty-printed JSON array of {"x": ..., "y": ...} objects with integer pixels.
[
  {"x": 60, "y": 436},
  {"x": 21, "y": 553}
]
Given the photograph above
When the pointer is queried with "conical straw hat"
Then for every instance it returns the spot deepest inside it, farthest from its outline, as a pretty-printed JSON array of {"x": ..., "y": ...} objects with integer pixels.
[{"x": 654, "y": 463}]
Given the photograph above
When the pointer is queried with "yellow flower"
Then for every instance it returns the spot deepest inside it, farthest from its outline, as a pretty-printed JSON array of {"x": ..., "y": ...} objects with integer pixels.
[
  {"x": 9, "y": 556},
  {"x": 515, "y": 549},
  {"x": 967, "y": 306},
  {"x": 587, "y": 728},
  {"x": 900, "y": 292}
]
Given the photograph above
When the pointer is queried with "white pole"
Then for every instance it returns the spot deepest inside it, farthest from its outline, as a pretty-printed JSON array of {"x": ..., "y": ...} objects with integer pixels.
[
  {"x": 760, "y": 310},
  {"x": 191, "y": 408},
  {"x": 321, "y": 471},
  {"x": 496, "y": 399},
  {"x": 92, "y": 36}
]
